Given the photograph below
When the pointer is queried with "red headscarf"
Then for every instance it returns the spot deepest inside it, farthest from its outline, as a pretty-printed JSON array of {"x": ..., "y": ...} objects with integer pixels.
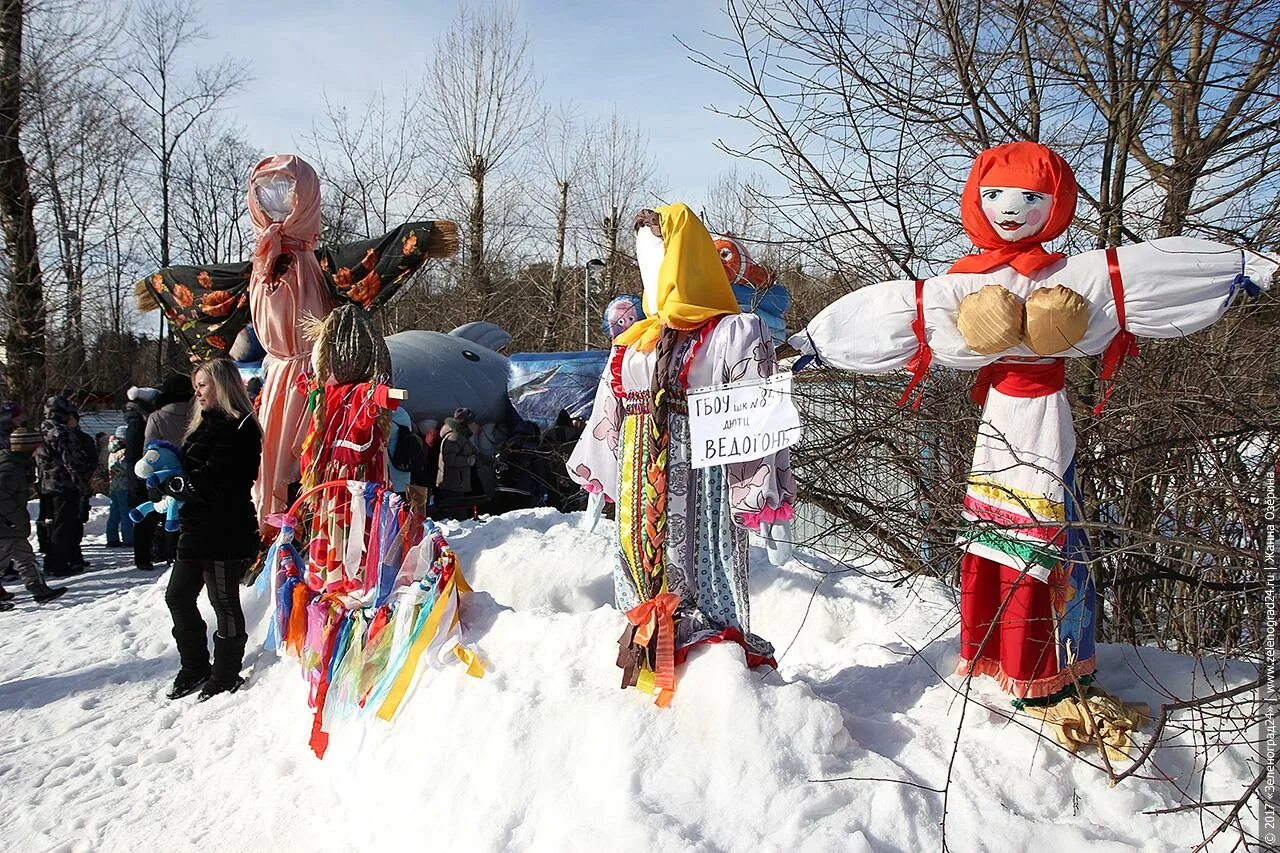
[{"x": 1030, "y": 166}]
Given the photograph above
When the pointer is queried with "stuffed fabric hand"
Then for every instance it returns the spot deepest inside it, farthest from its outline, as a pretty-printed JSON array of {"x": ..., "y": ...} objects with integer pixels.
[
  {"x": 778, "y": 539},
  {"x": 595, "y": 506}
]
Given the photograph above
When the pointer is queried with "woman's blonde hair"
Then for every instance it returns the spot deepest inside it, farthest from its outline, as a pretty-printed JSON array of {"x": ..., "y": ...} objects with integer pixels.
[{"x": 229, "y": 394}]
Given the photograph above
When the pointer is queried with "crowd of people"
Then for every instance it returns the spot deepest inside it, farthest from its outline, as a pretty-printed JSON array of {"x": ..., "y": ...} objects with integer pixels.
[
  {"x": 461, "y": 467},
  {"x": 458, "y": 468},
  {"x": 63, "y": 467}
]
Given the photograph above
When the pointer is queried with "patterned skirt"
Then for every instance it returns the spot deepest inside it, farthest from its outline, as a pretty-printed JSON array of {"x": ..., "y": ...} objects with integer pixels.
[{"x": 706, "y": 553}]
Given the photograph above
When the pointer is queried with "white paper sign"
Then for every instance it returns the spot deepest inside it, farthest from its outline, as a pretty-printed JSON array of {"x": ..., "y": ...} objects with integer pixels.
[{"x": 742, "y": 421}]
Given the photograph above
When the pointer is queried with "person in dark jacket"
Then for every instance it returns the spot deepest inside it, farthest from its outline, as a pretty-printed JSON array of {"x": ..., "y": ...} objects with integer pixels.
[
  {"x": 10, "y": 415},
  {"x": 64, "y": 463},
  {"x": 135, "y": 424},
  {"x": 456, "y": 469},
  {"x": 119, "y": 527},
  {"x": 17, "y": 479},
  {"x": 90, "y": 447},
  {"x": 168, "y": 422},
  {"x": 218, "y": 530}
]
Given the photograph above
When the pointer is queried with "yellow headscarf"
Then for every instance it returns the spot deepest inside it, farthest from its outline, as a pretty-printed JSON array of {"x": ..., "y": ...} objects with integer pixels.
[{"x": 692, "y": 285}]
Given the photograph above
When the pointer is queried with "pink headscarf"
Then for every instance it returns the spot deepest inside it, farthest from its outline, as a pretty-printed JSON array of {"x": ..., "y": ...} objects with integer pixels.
[{"x": 301, "y": 228}]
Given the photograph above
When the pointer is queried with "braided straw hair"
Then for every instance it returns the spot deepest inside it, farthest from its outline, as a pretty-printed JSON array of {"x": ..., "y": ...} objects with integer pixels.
[{"x": 653, "y": 552}]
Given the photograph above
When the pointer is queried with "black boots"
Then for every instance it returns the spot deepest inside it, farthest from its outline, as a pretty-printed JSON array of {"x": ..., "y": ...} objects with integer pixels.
[
  {"x": 5, "y": 595},
  {"x": 228, "y": 655},
  {"x": 196, "y": 674},
  {"x": 187, "y": 682},
  {"x": 42, "y": 592}
]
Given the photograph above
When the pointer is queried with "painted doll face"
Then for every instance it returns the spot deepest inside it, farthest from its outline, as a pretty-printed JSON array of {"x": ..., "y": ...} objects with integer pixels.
[
  {"x": 649, "y": 253},
  {"x": 1015, "y": 213},
  {"x": 620, "y": 315}
]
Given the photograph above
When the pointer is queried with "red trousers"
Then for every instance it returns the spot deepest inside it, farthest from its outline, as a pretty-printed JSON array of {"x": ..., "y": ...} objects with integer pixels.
[{"x": 1006, "y": 628}]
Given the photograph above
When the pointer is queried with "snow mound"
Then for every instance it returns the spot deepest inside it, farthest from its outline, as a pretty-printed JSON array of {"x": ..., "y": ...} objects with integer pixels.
[{"x": 545, "y": 753}]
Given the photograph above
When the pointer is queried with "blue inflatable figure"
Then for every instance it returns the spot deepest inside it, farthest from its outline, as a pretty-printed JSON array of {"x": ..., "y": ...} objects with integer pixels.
[{"x": 160, "y": 462}]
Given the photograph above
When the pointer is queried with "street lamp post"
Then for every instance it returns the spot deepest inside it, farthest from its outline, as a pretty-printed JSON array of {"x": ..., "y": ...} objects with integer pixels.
[{"x": 590, "y": 272}]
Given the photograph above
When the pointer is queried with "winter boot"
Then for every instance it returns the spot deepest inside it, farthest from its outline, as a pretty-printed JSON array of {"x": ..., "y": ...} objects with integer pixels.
[
  {"x": 228, "y": 655},
  {"x": 193, "y": 652},
  {"x": 187, "y": 682},
  {"x": 42, "y": 592},
  {"x": 5, "y": 595},
  {"x": 213, "y": 688}
]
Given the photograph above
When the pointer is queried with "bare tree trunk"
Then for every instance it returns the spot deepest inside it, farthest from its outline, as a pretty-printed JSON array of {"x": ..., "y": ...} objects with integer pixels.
[
  {"x": 1180, "y": 184},
  {"x": 611, "y": 250},
  {"x": 166, "y": 161},
  {"x": 25, "y": 335},
  {"x": 477, "y": 274},
  {"x": 557, "y": 271},
  {"x": 71, "y": 242}
]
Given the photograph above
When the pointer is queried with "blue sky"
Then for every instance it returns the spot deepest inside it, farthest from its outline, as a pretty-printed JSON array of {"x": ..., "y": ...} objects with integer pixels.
[{"x": 597, "y": 54}]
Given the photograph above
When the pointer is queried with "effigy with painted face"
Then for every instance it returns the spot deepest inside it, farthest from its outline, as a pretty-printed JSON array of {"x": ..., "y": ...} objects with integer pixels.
[
  {"x": 681, "y": 570},
  {"x": 1015, "y": 312}
]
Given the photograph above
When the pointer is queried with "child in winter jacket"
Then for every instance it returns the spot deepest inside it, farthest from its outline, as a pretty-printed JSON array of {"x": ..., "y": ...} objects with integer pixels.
[{"x": 119, "y": 527}]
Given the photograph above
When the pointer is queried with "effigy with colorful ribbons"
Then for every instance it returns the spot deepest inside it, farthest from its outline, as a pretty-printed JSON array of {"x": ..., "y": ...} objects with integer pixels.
[{"x": 366, "y": 593}]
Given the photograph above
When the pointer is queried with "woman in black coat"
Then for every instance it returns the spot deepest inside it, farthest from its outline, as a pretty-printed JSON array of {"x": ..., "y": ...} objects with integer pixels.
[{"x": 218, "y": 529}]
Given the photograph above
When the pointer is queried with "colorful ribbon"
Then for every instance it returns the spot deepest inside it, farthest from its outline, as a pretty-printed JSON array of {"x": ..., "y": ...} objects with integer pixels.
[
  {"x": 656, "y": 618},
  {"x": 1019, "y": 379},
  {"x": 1242, "y": 282}
]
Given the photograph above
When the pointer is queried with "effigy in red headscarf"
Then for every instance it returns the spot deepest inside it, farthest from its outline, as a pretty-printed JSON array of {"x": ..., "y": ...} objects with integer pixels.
[{"x": 1028, "y": 166}]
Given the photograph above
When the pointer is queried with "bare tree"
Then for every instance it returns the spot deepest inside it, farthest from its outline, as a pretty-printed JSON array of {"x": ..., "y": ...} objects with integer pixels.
[
  {"x": 121, "y": 254},
  {"x": 621, "y": 177},
  {"x": 1190, "y": 91},
  {"x": 24, "y": 296},
  {"x": 81, "y": 155},
  {"x": 565, "y": 145},
  {"x": 376, "y": 164},
  {"x": 208, "y": 182},
  {"x": 167, "y": 98},
  {"x": 482, "y": 98}
]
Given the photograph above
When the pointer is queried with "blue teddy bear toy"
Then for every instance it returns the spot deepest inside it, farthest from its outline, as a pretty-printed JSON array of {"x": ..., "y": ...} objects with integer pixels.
[{"x": 160, "y": 462}]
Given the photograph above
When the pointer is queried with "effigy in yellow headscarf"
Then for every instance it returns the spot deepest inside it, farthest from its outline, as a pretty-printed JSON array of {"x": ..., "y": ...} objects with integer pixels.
[{"x": 691, "y": 286}]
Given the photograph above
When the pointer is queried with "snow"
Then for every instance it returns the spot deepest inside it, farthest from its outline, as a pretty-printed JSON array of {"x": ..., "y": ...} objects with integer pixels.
[{"x": 545, "y": 753}]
